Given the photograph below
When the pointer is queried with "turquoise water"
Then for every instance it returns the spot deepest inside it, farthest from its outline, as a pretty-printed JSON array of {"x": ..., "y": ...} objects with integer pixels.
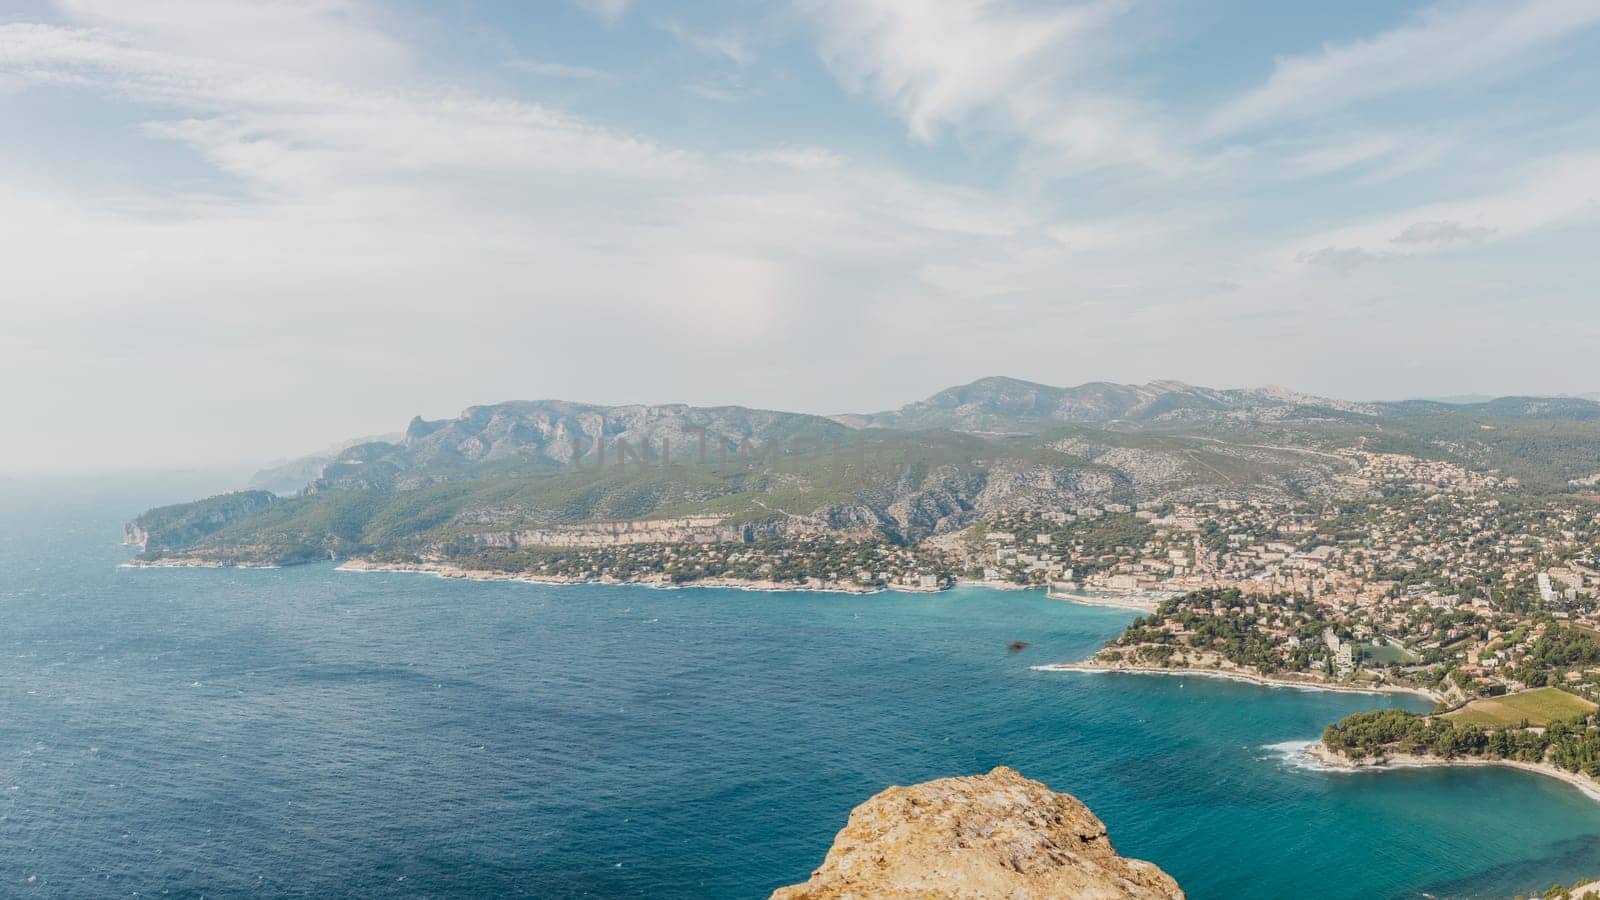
[{"x": 308, "y": 732}]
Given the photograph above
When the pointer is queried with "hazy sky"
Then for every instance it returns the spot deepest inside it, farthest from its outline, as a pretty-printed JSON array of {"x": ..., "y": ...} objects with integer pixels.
[{"x": 238, "y": 230}]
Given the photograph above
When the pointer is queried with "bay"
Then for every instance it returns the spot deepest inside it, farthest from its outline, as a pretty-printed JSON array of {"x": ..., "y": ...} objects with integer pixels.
[{"x": 308, "y": 732}]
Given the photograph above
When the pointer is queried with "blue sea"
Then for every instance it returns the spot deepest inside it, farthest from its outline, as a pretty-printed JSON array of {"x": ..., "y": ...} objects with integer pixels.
[{"x": 306, "y": 732}]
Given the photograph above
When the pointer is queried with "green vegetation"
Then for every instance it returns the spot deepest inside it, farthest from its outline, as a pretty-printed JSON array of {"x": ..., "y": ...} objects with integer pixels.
[
  {"x": 1385, "y": 654},
  {"x": 1218, "y": 620},
  {"x": 183, "y": 524},
  {"x": 1539, "y": 706},
  {"x": 1108, "y": 534},
  {"x": 1558, "y": 651},
  {"x": 382, "y": 509},
  {"x": 1545, "y": 453},
  {"x": 1572, "y": 744}
]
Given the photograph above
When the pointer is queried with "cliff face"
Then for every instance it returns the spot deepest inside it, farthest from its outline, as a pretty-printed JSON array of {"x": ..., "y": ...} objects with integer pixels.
[
  {"x": 994, "y": 835},
  {"x": 184, "y": 524}
]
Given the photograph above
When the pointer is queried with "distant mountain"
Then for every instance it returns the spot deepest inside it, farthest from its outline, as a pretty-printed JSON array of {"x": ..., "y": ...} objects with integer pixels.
[
  {"x": 1007, "y": 405},
  {"x": 1555, "y": 409},
  {"x": 1454, "y": 400},
  {"x": 556, "y": 431},
  {"x": 1569, "y": 409},
  {"x": 506, "y": 473},
  {"x": 1540, "y": 406},
  {"x": 289, "y": 476},
  {"x": 547, "y": 435}
]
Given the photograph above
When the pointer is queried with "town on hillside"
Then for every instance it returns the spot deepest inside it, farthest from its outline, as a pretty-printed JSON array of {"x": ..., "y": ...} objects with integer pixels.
[{"x": 1441, "y": 579}]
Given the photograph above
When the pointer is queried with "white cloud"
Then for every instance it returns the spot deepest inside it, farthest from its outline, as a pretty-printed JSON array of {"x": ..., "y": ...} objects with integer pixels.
[
  {"x": 1547, "y": 194},
  {"x": 729, "y": 45},
  {"x": 557, "y": 70},
  {"x": 335, "y": 38},
  {"x": 716, "y": 93},
  {"x": 1145, "y": 234},
  {"x": 938, "y": 63},
  {"x": 297, "y": 133},
  {"x": 1345, "y": 259},
  {"x": 798, "y": 157},
  {"x": 326, "y": 238},
  {"x": 1449, "y": 44},
  {"x": 988, "y": 64},
  {"x": 371, "y": 224},
  {"x": 1350, "y": 152},
  {"x": 609, "y": 11},
  {"x": 1440, "y": 232}
]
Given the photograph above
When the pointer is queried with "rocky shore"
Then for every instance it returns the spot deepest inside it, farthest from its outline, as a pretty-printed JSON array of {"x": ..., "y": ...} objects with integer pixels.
[
  {"x": 1241, "y": 675},
  {"x": 995, "y": 835},
  {"x": 1335, "y": 760},
  {"x": 184, "y": 562}
]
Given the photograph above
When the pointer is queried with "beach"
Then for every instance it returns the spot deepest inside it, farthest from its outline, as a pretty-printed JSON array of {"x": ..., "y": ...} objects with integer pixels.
[
  {"x": 1241, "y": 676},
  {"x": 1333, "y": 760},
  {"x": 1145, "y": 603}
]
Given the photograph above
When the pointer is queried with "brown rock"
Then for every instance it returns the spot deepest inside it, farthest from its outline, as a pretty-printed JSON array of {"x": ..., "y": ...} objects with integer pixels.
[{"x": 994, "y": 835}]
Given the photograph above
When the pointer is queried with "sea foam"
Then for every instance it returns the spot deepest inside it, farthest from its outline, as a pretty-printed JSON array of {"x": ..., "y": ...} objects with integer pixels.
[{"x": 1293, "y": 754}]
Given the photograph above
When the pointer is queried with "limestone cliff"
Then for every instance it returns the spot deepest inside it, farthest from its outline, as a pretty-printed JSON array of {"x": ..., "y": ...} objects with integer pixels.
[{"x": 994, "y": 835}]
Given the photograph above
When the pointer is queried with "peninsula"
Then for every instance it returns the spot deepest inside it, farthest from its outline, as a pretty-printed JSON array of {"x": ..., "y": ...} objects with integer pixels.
[{"x": 1546, "y": 731}]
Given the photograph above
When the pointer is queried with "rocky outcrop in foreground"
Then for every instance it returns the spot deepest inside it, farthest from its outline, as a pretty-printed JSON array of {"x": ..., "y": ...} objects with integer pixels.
[{"x": 994, "y": 835}]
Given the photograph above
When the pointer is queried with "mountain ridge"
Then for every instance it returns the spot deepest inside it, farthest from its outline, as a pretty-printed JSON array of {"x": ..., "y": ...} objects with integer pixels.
[
  {"x": 560, "y": 431},
  {"x": 500, "y": 474},
  {"x": 1011, "y": 405}
]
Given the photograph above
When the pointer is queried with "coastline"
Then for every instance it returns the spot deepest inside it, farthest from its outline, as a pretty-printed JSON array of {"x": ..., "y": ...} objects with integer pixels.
[
  {"x": 1242, "y": 677},
  {"x": 445, "y": 570},
  {"x": 181, "y": 563},
  {"x": 1391, "y": 761}
]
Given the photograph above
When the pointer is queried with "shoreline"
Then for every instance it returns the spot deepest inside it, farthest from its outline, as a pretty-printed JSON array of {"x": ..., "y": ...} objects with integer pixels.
[
  {"x": 449, "y": 570},
  {"x": 1242, "y": 677},
  {"x": 445, "y": 570},
  {"x": 1395, "y": 761},
  {"x": 1130, "y": 601},
  {"x": 178, "y": 563}
]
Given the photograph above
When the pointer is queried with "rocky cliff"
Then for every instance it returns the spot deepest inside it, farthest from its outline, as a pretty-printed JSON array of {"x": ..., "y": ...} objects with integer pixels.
[
  {"x": 184, "y": 524},
  {"x": 994, "y": 835},
  {"x": 552, "y": 431}
]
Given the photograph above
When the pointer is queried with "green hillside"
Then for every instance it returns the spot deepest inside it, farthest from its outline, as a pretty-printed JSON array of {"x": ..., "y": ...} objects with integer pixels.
[{"x": 994, "y": 447}]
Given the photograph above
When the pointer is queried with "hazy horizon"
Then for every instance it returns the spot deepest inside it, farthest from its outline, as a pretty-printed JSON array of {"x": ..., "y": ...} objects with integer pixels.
[{"x": 237, "y": 232}]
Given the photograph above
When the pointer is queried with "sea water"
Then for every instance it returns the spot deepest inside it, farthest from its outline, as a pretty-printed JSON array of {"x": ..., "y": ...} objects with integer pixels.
[{"x": 304, "y": 731}]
